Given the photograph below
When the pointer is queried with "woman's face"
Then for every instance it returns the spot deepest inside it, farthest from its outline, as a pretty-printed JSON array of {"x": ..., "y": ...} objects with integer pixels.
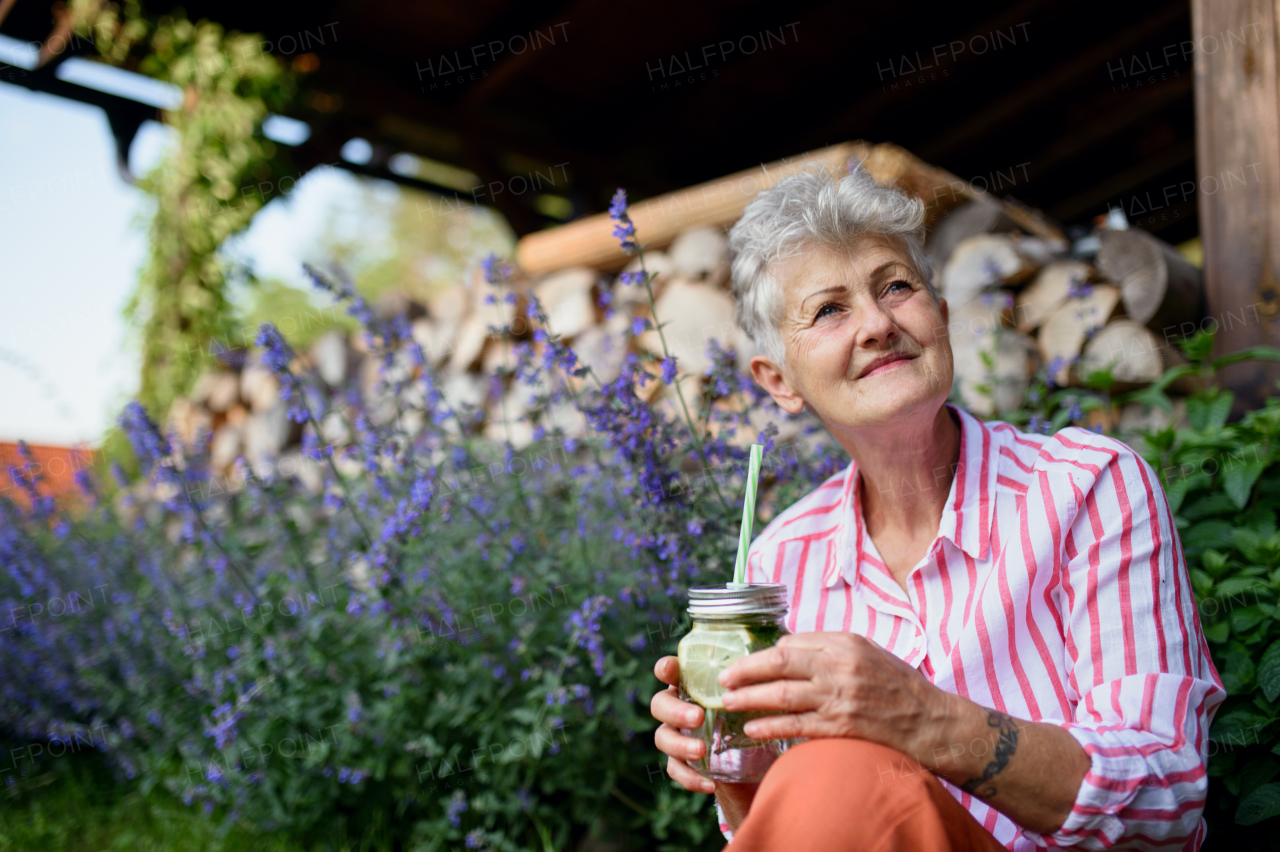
[{"x": 865, "y": 343}]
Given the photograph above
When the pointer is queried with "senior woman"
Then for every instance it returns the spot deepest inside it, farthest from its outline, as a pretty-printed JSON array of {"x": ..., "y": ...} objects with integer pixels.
[{"x": 995, "y": 644}]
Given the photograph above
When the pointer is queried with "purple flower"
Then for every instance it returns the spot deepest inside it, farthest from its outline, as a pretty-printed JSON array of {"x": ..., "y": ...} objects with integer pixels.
[
  {"x": 585, "y": 626},
  {"x": 1077, "y": 288},
  {"x": 456, "y": 807},
  {"x": 668, "y": 370},
  {"x": 623, "y": 228},
  {"x": 495, "y": 271}
]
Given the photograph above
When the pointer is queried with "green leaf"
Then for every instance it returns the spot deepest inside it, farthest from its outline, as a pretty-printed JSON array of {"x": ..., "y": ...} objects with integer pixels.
[
  {"x": 1253, "y": 353},
  {"x": 1198, "y": 346},
  {"x": 1218, "y": 633},
  {"x": 1208, "y": 506},
  {"x": 1257, "y": 772},
  {"x": 1269, "y": 672},
  {"x": 1206, "y": 534},
  {"x": 1262, "y": 803},
  {"x": 1239, "y": 662},
  {"x": 1208, "y": 413},
  {"x": 1239, "y": 727},
  {"x": 1238, "y": 586},
  {"x": 1238, "y": 479}
]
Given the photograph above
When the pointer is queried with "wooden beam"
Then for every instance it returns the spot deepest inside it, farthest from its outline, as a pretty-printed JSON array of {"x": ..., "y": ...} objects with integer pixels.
[
  {"x": 6, "y": 6},
  {"x": 718, "y": 203},
  {"x": 1011, "y": 108},
  {"x": 1238, "y": 158}
]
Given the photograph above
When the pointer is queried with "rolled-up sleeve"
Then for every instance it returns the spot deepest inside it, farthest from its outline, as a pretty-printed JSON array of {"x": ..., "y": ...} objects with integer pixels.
[{"x": 1145, "y": 686}]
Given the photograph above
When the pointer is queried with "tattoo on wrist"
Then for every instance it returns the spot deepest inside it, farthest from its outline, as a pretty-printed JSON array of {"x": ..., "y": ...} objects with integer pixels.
[{"x": 1006, "y": 745}]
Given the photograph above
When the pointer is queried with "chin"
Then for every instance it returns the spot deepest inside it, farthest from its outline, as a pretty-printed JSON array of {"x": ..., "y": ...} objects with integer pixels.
[{"x": 894, "y": 400}]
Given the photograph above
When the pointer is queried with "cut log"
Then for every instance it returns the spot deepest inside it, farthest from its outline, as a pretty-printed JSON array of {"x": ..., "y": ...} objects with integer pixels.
[
  {"x": 451, "y": 305},
  {"x": 1064, "y": 333},
  {"x": 1159, "y": 288},
  {"x": 982, "y": 261},
  {"x": 329, "y": 354},
  {"x": 216, "y": 390},
  {"x": 258, "y": 386},
  {"x": 566, "y": 298},
  {"x": 469, "y": 340},
  {"x": 1048, "y": 292},
  {"x": 1134, "y": 354},
  {"x": 472, "y": 336},
  {"x": 266, "y": 433},
  {"x": 693, "y": 316},
  {"x": 225, "y": 447},
  {"x": 191, "y": 422},
  {"x": 989, "y": 390},
  {"x": 971, "y": 219},
  {"x": 434, "y": 339},
  {"x": 603, "y": 348},
  {"x": 977, "y": 329},
  {"x": 1138, "y": 417},
  {"x": 698, "y": 251},
  {"x": 658, "y": 263}
]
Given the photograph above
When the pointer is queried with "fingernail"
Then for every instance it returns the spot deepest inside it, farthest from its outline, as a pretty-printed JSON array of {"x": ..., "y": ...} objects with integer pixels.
[
  {"x": 691, "y": 718},
  {"x": 708, "y": 787},
  {"x": 729, "y": 699}
]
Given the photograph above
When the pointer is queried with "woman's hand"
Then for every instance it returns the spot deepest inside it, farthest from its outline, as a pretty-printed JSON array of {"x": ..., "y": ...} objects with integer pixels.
[
  {"x": 675, "y": 714},
  {"x": 837, "y": 685}
]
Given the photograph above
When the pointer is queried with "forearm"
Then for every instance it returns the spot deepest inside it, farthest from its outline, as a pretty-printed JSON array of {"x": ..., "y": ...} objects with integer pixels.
[
  {"x": 1029, "y": 771},
  {"x": 735, "y": 801}
]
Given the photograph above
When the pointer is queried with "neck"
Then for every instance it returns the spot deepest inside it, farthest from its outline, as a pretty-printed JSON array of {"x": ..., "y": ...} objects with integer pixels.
[{"x": 906, "y": 470}]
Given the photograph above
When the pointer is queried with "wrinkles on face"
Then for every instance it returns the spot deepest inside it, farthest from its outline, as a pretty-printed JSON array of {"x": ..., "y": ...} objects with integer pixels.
[{"x": 843, "y": 310}]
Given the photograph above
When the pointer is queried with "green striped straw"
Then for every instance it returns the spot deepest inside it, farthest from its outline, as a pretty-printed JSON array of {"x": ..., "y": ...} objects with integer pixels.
[{"x": 748, "y": 514}]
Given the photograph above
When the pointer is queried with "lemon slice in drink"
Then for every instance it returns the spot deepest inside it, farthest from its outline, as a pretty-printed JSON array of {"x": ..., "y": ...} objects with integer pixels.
[{"x": 703, "y": 655}]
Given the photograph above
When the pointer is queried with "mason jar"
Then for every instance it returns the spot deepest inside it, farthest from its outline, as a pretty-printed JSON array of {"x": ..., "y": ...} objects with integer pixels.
[{"x": 729, "y": 622}]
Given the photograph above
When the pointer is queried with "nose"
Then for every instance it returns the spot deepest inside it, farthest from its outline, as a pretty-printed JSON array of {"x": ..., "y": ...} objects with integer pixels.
[{"x": 876, "y": 328}]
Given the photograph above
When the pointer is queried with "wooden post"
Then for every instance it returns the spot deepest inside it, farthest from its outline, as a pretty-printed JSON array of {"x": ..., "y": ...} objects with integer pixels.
[{"x": 1238, "y": 163}]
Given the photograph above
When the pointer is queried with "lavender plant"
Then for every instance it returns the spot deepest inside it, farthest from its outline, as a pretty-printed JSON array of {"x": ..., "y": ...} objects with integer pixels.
[{"x": 450, "y": 640}]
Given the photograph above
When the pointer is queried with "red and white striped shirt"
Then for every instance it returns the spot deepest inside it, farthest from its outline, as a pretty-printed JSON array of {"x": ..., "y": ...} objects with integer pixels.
[{"x": 1056, "y": 591}]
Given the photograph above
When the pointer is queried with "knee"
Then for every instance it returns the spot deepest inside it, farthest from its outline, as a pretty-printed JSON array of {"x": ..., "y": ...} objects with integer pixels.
[{"x": 874, "y": 771}]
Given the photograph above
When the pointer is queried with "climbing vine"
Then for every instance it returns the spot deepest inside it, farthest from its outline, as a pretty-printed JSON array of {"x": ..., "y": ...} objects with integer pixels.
[{"x": 219, "y": 172}]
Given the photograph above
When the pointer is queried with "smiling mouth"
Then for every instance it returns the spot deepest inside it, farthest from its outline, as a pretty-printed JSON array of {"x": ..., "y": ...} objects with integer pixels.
[{"x": 881, "y": 364}]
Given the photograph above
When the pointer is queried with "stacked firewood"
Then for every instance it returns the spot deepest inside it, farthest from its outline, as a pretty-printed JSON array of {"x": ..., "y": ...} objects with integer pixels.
[
  {"x": 1023, "y": 301},
  {"x": 1020, "y": 304}
]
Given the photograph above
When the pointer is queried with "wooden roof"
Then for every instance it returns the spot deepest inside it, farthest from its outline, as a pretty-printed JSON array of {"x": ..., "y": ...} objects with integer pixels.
[{"x": 1068, "y": 107}]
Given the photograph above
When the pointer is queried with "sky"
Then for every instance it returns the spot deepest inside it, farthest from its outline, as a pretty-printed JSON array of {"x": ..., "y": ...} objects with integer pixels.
[{"x": 72, "y": 239}]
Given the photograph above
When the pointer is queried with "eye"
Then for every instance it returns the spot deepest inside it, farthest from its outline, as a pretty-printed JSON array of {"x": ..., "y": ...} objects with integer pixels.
[
  {"x": 826, "y": 310},
  {"x": 906, "y": 288}
]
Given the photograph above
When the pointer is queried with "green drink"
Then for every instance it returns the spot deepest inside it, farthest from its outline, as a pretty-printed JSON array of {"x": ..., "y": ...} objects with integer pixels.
[{"x": 729, "y": 622}]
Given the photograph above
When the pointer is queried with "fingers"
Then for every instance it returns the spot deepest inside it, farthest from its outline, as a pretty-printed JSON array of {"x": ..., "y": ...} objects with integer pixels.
[
  {"x": 791, "y": 726},
  {"x": 667, "y": 670},
  {"x": 776, "y": 663},
  {"x": 667, "y": 707},
  {"x": 790, "y": 696},
  {"x": 671, "y": 742},
  {"x": 684, "y": 775}
]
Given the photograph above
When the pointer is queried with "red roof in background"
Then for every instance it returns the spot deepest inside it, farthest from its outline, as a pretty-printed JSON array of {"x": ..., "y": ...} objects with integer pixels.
[{"x": 55, "y": 466}]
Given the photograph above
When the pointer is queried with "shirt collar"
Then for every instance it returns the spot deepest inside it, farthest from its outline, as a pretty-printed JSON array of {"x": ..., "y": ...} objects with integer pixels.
[{"x": 966, "y": 517}]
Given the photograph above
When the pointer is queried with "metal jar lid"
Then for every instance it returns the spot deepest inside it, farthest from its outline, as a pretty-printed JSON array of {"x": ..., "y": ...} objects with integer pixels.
[{"x": 733, "y": 600}]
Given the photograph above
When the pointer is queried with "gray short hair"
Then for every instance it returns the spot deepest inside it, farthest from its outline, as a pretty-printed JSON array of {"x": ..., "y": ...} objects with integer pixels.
[{"x": 815, "y": 206}]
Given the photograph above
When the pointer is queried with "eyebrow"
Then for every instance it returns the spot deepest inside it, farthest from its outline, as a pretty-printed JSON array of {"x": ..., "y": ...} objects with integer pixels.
[
  {"x": 836, "y": 289},
  {"x": 841, "y": 288}
]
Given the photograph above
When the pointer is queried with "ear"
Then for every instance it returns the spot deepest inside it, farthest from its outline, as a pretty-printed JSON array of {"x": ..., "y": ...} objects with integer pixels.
[{"x": 769, "y": 376}]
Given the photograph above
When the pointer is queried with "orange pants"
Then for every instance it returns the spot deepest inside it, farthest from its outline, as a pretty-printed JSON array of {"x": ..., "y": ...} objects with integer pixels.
[{"x": 848, "y": 795}]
